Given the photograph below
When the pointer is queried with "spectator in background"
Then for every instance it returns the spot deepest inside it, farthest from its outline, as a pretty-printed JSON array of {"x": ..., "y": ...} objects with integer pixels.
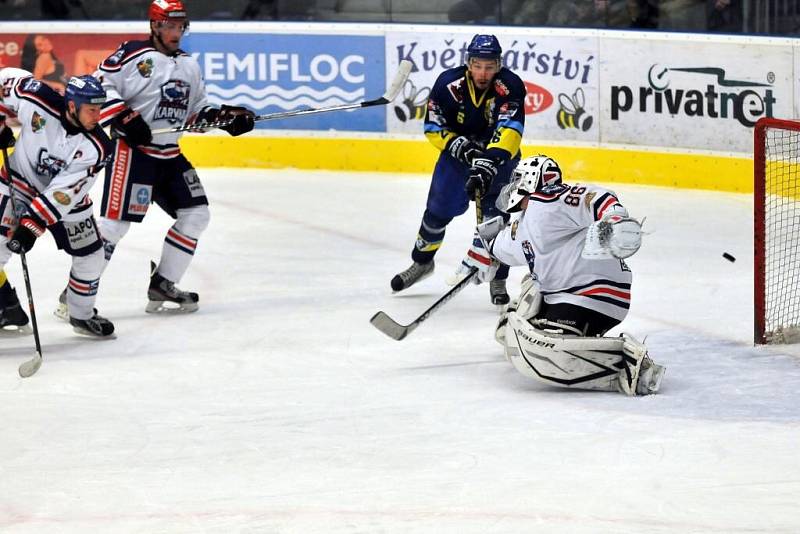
[
  {"x": 724, "y": 16},
  {"x": 577, "y": 13},
  {"x": 57, "y": 9},
  {"x": 253, "y": 10},
  {"x": 644, "y": 14},
  {"x": 39, "y": 58},
  {"x": 472, "y": 12}
]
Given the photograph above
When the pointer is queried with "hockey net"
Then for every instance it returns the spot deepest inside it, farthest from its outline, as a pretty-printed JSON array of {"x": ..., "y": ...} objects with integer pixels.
[{"x": 777, "y": 231}]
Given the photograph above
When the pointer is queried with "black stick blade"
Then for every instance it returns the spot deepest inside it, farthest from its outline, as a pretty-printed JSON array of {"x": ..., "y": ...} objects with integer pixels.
[{"x": 389, "y": 326}]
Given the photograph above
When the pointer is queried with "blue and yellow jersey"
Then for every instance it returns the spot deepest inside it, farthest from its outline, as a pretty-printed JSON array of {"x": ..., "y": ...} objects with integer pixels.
[{"x": 494, "y": 116}]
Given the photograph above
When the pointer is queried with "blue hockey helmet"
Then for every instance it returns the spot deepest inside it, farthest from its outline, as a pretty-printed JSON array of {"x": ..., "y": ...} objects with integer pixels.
[
  {"x": 484, "y": 46},
  {"x": 84, "y": 90}
]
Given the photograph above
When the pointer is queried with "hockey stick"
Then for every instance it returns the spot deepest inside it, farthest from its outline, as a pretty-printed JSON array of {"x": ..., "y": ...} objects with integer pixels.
[
  {"x": 397, "y": 331},
  {"x": 391, "y": 92},
  {"x": 30, "y": 367}
]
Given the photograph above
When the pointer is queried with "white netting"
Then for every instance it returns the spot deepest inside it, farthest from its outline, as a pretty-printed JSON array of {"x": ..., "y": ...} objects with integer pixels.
[{"x": 782, "y": 235}]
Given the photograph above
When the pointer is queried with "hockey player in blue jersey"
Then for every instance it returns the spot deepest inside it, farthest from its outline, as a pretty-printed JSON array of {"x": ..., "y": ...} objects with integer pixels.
[{"x": 475, "y": 116}]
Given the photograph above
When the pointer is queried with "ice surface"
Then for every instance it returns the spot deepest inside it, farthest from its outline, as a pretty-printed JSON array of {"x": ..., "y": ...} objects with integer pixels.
[{"x": 278, "y": 408}]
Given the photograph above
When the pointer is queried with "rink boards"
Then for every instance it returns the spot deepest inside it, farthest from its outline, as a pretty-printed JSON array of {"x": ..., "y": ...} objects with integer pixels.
[{"x": 652, "y": 108}]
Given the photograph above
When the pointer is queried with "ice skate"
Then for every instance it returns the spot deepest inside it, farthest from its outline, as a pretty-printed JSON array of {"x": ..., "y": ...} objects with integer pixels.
[
  {"x": 164, "y": 297},
  {"x": 14, "y": 321},
  {"x": 650, "y": 377},
  {"x": 62, "y": 312},
  {"x": 95, "y": 326},
  {"x": 498, "y": 293},
  {"x": 412, "y": 275}
]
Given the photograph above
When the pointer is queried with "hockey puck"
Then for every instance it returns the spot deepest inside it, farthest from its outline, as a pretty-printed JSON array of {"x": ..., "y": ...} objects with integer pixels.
[{"x": 728, "y": 257}]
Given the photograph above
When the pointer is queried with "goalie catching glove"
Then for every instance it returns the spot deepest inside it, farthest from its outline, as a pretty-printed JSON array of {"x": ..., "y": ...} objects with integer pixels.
[
  {"x": 242, "y": 119},
  {"x": 616, "y": 235}
]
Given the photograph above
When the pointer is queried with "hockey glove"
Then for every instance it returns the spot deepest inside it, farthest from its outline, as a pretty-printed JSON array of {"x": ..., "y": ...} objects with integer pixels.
[
  {"x": 243, "y": 119},
  {"x": 130, "y": 125},
  {"x": 25, "y": 235},
  {"x": 614, "y": 236},
  {"x": 6, "y": 137},
  {"x": 464, "y": 150},
  {"x": 478, "y": 255},
  {"x": 480, "y": 177}
]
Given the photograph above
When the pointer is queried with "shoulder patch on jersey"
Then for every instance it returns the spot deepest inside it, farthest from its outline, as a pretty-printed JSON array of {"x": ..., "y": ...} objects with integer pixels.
[
  {"x": 456, "y": 89},
  {"x": 145, "y": 67},
  {"x": 500, "y": 88},
  {"x": 514, "y": 227},
  {"x": 37, "y": 122},
  {"x": 588, "y": 199}
]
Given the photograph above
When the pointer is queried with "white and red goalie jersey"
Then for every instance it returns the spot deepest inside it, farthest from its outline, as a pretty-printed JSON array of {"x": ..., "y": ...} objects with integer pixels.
[
  {"x": 549, "y": 237},
  {"x": 54, "y": 162},
  {"x": 167, "y": 91}
]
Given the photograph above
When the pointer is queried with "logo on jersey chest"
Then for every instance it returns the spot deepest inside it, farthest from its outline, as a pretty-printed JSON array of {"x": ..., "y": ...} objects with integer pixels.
[
  {"x": 456, "y": 89},
  {"x": 145, "y": 67},
  {"x": 49, "y": 165},
  {"x": 174, "y": 103},
  {"x": 37, "y": 122}
]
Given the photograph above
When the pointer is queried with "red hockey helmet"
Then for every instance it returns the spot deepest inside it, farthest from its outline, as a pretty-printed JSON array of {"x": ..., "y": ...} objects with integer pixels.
[{"x": 162, "y": 10}]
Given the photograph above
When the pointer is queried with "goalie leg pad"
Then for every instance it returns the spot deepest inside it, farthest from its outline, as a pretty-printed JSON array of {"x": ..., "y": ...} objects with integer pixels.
[
  {"x": 527, "y": 305},
  {"x": 563, "y": 361},
  {"x": 594, "y": 363}
]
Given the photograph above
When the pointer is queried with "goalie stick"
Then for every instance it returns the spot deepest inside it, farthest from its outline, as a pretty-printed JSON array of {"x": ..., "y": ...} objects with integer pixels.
[
  {"x": 397, "y": 331},
  {"x": 391, "y": 92},
  {"x": 30, "y": 367}
]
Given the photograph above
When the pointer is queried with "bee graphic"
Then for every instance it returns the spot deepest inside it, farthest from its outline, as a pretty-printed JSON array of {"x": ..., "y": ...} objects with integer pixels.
[
  {"x": 414, "y": 101},
  {"x": 572, "y": 114}
]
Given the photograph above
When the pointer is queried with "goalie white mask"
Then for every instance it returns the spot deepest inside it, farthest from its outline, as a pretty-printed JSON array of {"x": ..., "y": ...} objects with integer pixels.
[{"x": 530, "y": 175}]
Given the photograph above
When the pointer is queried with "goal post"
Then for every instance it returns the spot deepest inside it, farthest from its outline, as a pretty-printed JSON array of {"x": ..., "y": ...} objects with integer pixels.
[{"x": 776, "y": 231}]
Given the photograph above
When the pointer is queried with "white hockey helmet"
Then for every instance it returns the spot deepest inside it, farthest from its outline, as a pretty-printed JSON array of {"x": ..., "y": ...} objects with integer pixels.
[{"x": 531, "y": 175}]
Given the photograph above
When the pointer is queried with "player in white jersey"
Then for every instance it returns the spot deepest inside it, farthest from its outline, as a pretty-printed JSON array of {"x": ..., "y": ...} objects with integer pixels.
[
  {"x": 574, "y": 240},
  {"x": 154, "y": 84},
  {"x": 54, "y": 164},
  {"x": 12, "y": 317}
]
